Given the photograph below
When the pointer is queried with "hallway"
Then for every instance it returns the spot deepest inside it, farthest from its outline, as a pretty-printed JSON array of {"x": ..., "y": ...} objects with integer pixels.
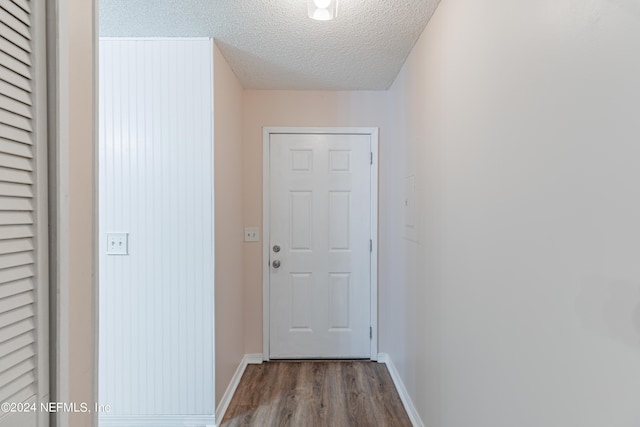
[{"x": 508, "y": 281}]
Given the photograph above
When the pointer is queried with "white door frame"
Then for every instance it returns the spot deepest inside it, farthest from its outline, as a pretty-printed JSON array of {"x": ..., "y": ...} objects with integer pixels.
[{"x": 266, "y": 220}]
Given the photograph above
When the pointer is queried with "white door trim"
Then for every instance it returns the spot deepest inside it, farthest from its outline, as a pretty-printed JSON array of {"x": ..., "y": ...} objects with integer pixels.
[{"x": 266, "y": 197}]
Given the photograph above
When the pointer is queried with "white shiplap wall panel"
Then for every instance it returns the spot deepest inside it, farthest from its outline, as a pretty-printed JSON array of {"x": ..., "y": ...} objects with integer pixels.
[{"x": 156, "y": 183}]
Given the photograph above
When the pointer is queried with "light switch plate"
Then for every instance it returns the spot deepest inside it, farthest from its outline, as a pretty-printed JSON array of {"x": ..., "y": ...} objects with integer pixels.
[
  {"x": 117, "y": 244},
  {"x": 251, "y": 234}
]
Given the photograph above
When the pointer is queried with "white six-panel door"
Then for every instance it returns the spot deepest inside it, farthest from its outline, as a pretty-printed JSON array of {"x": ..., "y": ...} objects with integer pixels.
[{"x": 320, "y": 253}]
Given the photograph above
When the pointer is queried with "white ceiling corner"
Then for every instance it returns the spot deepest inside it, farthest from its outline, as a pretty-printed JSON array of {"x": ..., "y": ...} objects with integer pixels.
[{"x": 272, "y": 44}]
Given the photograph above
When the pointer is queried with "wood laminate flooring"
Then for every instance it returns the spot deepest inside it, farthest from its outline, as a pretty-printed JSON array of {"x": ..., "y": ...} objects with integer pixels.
[{"x": 310, "y": 394}]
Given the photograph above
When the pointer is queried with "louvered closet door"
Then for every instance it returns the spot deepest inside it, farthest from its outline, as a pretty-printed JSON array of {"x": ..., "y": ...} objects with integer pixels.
[{"x": 23, "y": 225}]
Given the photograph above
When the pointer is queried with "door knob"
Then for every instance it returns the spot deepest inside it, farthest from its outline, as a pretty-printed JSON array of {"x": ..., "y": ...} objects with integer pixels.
[{"x": 276, "y": 264}]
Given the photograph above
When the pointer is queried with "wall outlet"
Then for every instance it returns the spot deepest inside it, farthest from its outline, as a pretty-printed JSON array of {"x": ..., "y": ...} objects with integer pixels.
[
  {"x": 117, "y": 244},
  {"x": 251, "y": 234}
]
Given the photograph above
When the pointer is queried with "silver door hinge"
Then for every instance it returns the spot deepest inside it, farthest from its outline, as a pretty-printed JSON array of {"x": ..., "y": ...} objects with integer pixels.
[
  {"x": 371, "y": 157},
  {"x": 370, "y": 333},
  {"x": 370, "y": 245}
]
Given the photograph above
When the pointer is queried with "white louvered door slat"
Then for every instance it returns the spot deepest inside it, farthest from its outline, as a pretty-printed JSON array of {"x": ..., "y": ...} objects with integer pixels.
[
  {"x": 16, "y": 315},
  {"x": 20, "y": 258},
  {"x": 8, "y": 33},
  {"x": 21, "y": 367},
  {"x": 13, "y": 175},
  {"x": 15, "y": 232},
  {"x": 16, "y": 329},
  {"x": 15, "y": 24},
  {"x": 16, "y": 11},
  {"x": 16, "y": 106},
  {"x": 15, "y": 344},
  {"x": 16, "y": 80},
  {"x": 16, "y": 218},
  {"x": 23, "y": 4},
  {"x": 15, "y": 384},
  {"x": 15, "y": 148},
  {"x": 13, "y": 246},
  {"x": 23, "y": 235},
  {"x": 15, "y": 162},
  {"x": 14, "y": 92},
  {"x": 25, "y": 353},
  {"x": 15, "y": 190},
  {"x": 16, "y": 204},
  {"x": 15, "y": 134},
  {"x": 14, "y": 288},
  {"x": 15, "y": 51},
  {"x": 12, "y": 64},
  {"x": 20, "y": 300},
  {"x": 15, "y": 120}
]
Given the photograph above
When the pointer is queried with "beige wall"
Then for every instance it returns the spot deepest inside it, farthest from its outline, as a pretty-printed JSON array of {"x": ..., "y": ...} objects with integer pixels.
[
  {"x": 289, "y": 108},
  {"x": 75, "y": 194},
  {"x": 229, "y": 274},
  {"x": 519, "y": 305}
]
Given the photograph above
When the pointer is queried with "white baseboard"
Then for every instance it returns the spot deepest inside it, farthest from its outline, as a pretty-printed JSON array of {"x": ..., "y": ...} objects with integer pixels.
[
  {"x": 248, "y": 359},
  {"x": 157, "y": 421},
  {"x": 402, "y": 391}
]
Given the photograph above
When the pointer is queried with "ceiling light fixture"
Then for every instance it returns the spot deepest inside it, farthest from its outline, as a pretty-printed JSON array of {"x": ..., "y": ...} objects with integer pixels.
[{"x": 322, "y": 10}]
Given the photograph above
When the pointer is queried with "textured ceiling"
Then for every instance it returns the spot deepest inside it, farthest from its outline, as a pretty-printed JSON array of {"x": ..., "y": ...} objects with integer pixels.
[{"x": 272, "y": 44}]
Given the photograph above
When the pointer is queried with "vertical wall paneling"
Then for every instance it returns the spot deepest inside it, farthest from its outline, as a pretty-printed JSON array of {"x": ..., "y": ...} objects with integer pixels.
[{"x": 156, "y": 184}]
